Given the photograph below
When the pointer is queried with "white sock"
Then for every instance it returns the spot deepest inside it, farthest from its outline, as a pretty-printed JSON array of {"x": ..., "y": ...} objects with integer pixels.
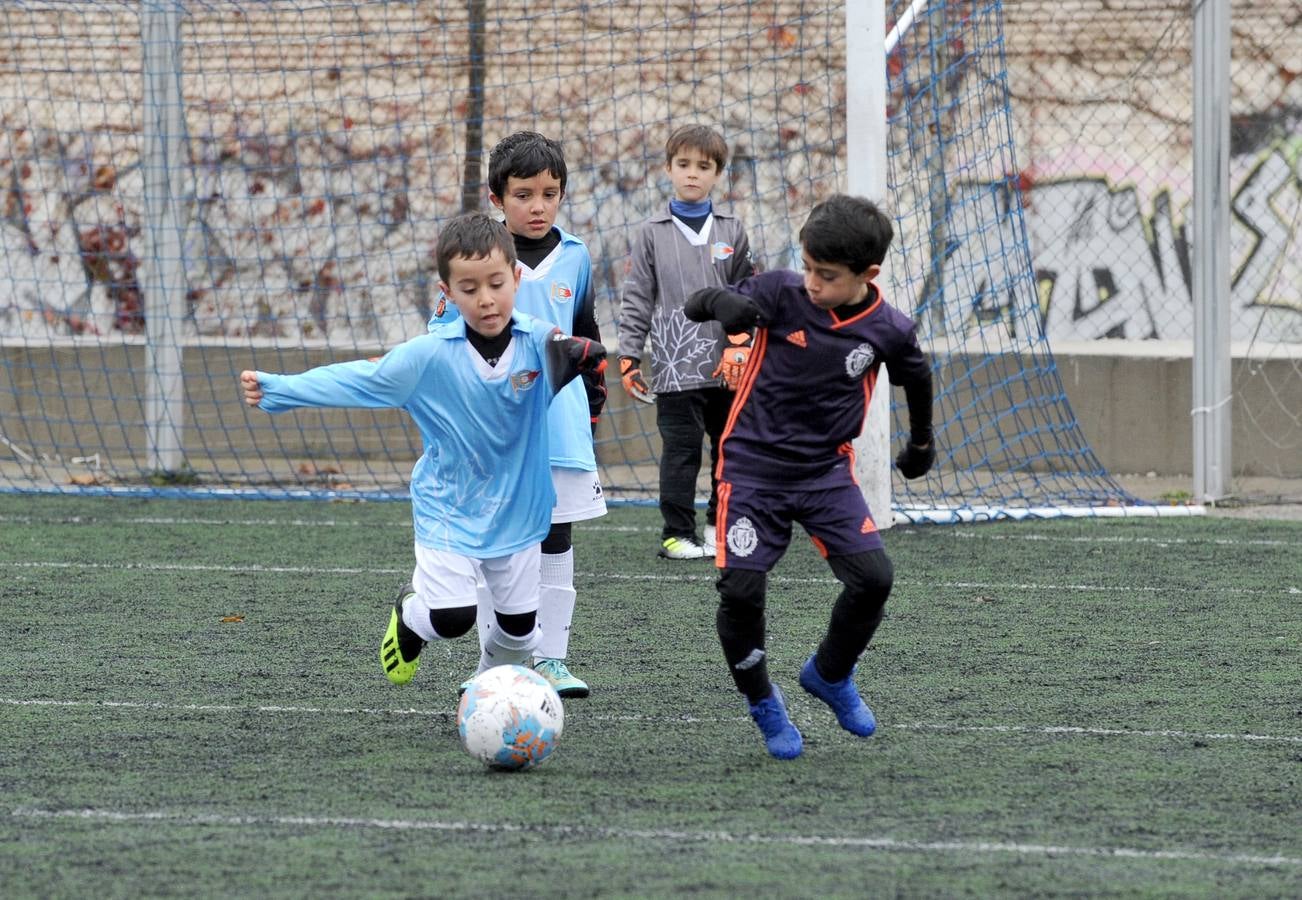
[
  {"x": 502, "y": 649},
  {"x": 485, "y": 618},
  {"x": 556, "y": 598},
  {"x": 415, "y": 615}
]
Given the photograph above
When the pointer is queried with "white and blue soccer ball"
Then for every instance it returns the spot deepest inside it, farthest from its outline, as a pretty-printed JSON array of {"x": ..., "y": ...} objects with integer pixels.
[{"x": 510, "y": 718}]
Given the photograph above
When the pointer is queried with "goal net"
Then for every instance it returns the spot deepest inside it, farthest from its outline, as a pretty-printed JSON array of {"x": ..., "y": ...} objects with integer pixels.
[{"x": 194, "y": 189}]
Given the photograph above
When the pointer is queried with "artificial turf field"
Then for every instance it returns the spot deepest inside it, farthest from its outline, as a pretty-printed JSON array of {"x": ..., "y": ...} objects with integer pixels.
[{"x": 192, "y": 705}]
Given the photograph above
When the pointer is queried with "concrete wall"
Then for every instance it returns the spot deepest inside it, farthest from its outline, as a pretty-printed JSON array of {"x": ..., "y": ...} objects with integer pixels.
[{"x": 1132, "y": 401}]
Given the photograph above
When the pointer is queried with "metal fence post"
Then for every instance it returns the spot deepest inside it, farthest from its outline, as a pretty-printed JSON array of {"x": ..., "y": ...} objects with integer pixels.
[
  {"x": 1211, "y": 250},
  {"x": 162, "y": 271}
]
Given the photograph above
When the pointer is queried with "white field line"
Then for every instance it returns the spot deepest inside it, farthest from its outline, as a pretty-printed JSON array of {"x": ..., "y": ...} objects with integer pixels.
[
  {"x": 707, "y": 578},
  {"x": 403, "y": 524},
  {"x": 958, "y": 533},
  {"x": 173, "y": 819},
  {"x": 1049, "y": 730}
]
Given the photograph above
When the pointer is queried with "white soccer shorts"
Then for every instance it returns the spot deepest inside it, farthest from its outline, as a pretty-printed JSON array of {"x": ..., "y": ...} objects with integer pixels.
[
  {"x": 445, "y": 580},
  {"x": 578, "y": 495}
]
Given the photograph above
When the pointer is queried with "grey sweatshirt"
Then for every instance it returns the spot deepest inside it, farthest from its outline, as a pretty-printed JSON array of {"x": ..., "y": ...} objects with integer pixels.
[{"x": 668, "y": 262}]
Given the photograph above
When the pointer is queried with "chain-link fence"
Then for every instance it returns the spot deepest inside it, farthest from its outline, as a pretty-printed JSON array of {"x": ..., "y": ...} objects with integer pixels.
[{"x": 1102, "y": 100}]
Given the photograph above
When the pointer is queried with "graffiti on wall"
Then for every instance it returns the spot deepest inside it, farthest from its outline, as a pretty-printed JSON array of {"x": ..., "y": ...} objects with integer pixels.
[{"x": 1107, "y": 266}]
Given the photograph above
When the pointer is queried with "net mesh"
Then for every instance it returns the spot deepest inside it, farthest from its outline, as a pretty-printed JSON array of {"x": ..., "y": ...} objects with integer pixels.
[{"x": 316, "y": 148}]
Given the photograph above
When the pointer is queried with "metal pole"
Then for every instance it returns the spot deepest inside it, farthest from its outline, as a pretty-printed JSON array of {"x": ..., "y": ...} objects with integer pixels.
[
  {"x": 162, "y": 269},
  {"x": 904, "y": 23},
  {"x": 865, "y": 131},
  {"x": 1211, "y": 250}
]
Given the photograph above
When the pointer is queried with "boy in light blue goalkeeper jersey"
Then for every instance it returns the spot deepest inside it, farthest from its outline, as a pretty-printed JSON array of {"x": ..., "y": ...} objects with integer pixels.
[
  {"x": 481, "y": 493},
  {"x": 526, "y": 182}
]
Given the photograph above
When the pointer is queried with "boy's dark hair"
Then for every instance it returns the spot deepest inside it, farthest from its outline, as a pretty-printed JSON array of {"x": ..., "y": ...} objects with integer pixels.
[
  {"x": 523, "y": 155},
  {"x": 847, "y": 230},
  {"x": 473, "y": 235},
  {"x": 701, "y": 138}
]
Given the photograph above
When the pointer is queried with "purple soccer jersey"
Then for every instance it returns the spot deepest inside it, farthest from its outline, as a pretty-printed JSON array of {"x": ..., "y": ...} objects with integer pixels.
[{"x": 807, "y": 387}]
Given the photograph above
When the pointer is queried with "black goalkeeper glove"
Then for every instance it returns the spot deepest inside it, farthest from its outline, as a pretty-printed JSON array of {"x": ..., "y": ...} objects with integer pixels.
[
  {"x": 569, "y": 357},
  {"x": 588, "y": 356},
  {"x": 595, "y": 385},
  {"x": 914, "y": 461}
]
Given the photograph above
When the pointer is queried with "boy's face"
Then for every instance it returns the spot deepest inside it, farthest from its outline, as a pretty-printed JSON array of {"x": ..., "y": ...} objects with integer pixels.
[
  {"x": 483, "y": 290},
  {"x": 530, "y": 204},
  {"x": 692, "y": 174},
  {"x": 833, "y": 284}
]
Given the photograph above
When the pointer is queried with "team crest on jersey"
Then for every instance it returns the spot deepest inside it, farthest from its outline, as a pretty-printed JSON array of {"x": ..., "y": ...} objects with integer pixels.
[
  {"x": 562, "y": 292},
  {"x": 859, "y": 360},
  {"x": 522, "y": 381},
  {"x": 719, "y": 250},
  {"x": 742, "y": 539}
]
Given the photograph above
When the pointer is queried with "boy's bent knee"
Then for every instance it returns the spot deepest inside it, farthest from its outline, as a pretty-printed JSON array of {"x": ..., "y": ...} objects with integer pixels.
[
  {"x": 741, "y": 591},
  {"x": 452, "y": 622},
  {"x": 866, "y": 575},
  {"x": 517, "y": 624},
  {"x": 559, "y": 539}
]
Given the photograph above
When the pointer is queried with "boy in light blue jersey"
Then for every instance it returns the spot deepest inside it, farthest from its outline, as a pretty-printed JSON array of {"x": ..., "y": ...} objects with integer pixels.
[
  {"x": 481, "y": 493},
  {"x": 526, "y": 182}
]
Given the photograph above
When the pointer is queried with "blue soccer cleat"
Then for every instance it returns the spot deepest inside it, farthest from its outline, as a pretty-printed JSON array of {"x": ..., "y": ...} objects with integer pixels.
[
  {"x": 853, "y": 714},
  {"x": 780, "y": 737}
]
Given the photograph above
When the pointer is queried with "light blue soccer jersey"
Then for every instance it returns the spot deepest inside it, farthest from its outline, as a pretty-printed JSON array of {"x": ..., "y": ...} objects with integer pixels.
[
  {"x": 551, "y": 293},
  {"x": 483, "y": 486}
]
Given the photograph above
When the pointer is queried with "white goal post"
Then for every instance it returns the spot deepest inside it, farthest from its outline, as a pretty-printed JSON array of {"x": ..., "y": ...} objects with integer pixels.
[{"x": 865, "y": 130}]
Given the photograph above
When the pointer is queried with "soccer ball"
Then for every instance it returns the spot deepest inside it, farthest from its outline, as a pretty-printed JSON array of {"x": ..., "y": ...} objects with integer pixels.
[{"x": 510, "y": 718}]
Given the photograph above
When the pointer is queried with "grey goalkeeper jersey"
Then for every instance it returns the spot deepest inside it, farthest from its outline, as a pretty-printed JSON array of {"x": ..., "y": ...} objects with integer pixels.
[{"x": 668, "y": 262}]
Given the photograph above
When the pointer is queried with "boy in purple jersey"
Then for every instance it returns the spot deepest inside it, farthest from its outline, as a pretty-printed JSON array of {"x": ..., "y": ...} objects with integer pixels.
[{"x": 786, "y": 452}]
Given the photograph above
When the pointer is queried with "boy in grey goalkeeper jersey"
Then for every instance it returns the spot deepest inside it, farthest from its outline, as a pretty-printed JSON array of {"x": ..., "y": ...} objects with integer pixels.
[{"x": 696, "y": 367}]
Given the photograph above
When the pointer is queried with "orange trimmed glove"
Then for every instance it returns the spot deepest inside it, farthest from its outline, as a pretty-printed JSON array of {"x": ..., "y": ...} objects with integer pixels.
[
  {"x": 733, "y": 361},
  {"x": 630, "y": 374}
]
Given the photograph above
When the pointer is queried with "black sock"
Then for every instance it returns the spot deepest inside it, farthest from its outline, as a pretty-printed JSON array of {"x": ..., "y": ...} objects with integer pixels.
[
  {"x": 409, "y": 642},
  {"x": 743, "y": 648}
]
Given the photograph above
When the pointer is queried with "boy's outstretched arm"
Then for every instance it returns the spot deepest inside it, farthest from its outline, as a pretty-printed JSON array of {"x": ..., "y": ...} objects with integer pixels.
[
  {"x": 569, "y": 357},
  {"x": 385, "y": 383},
  {"x": 249, "y": 385},
  {"x": 735, "y": 312}
]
